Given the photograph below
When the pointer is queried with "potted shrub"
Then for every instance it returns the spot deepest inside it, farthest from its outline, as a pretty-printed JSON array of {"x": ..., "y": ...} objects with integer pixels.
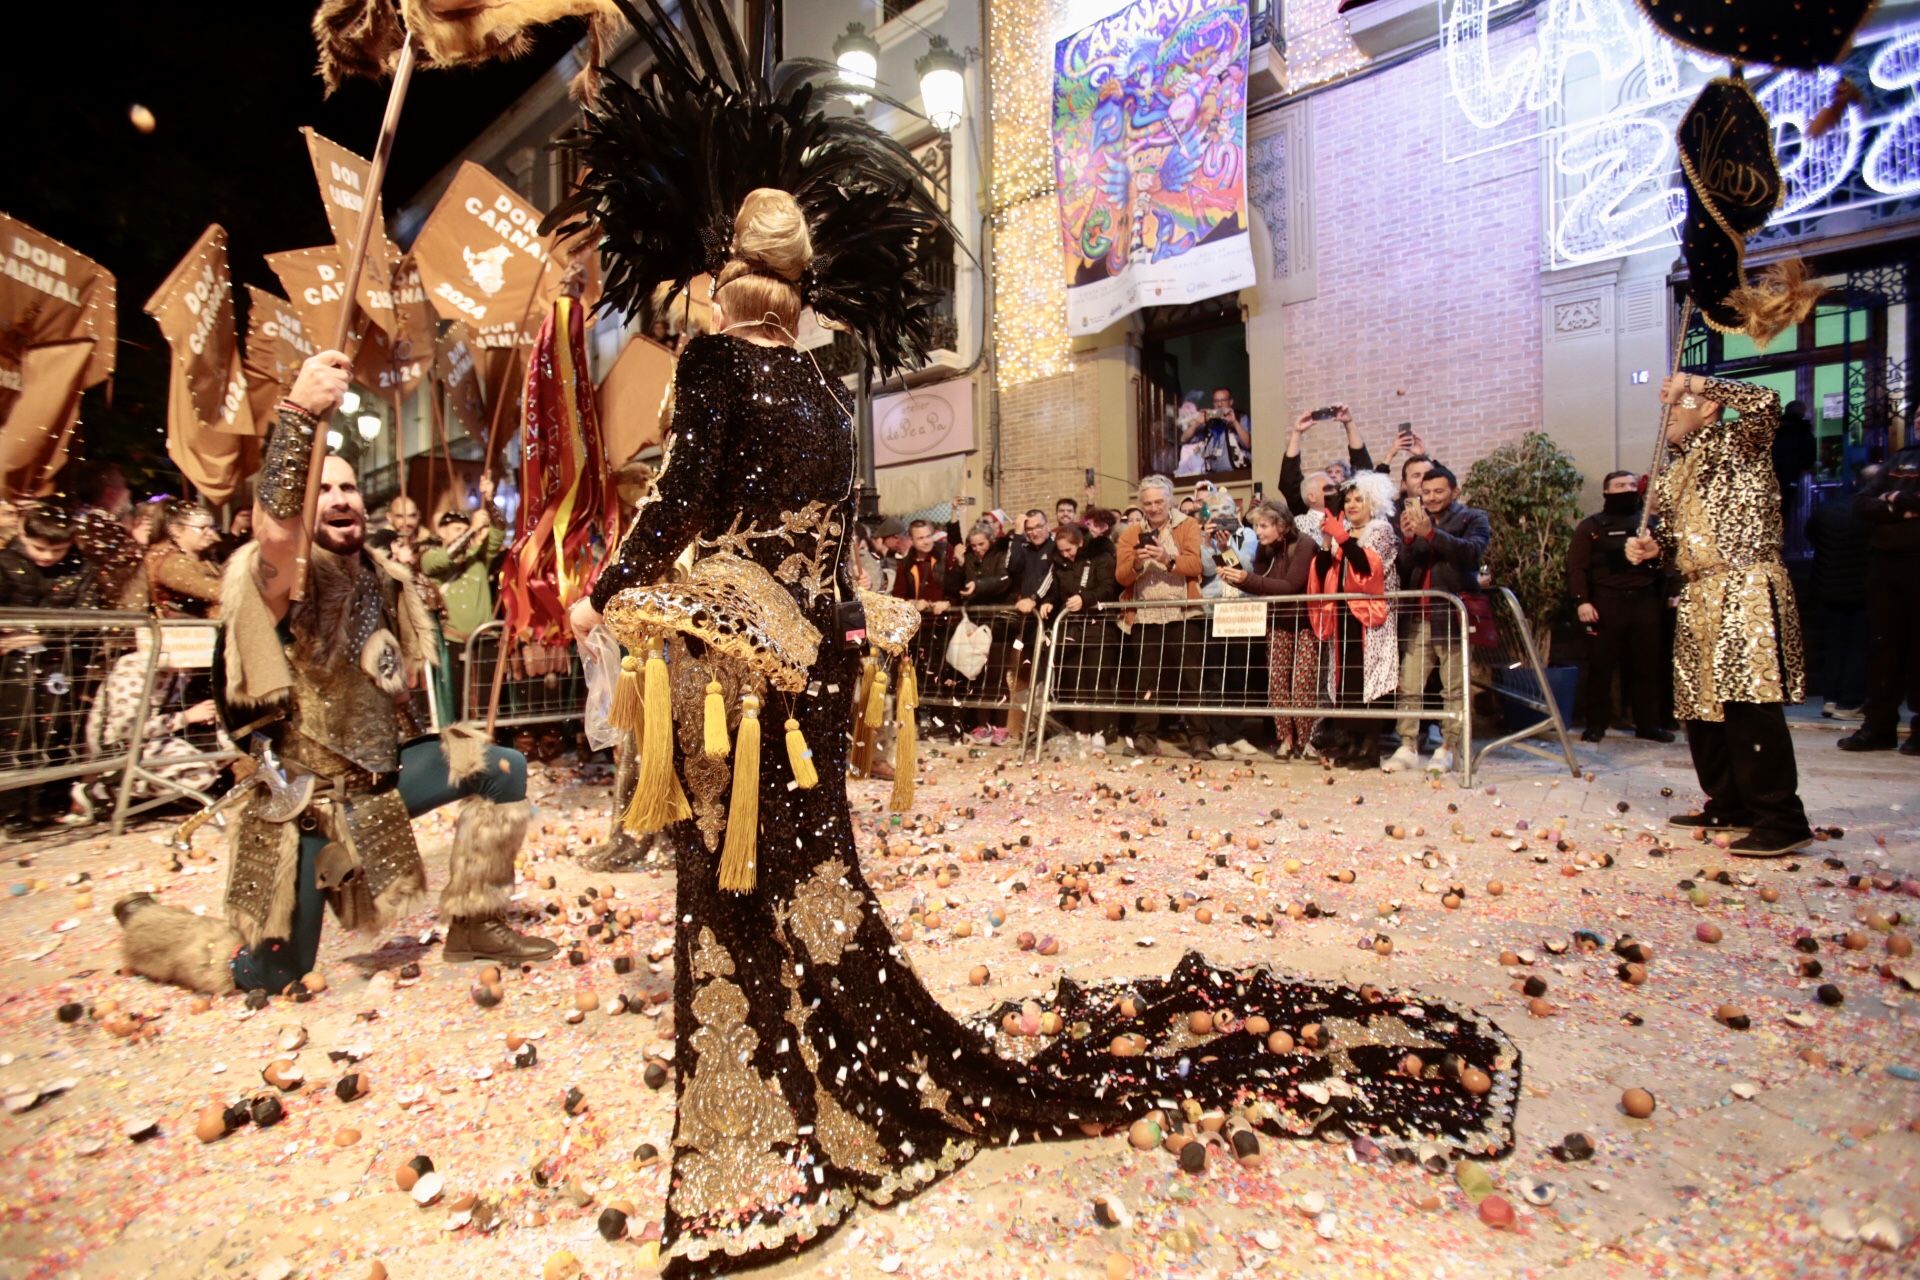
[{"x": 1530, "y": 490}]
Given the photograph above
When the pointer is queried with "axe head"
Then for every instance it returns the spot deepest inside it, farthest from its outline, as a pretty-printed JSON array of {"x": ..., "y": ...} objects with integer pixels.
[{"x": 285, "y": 800}]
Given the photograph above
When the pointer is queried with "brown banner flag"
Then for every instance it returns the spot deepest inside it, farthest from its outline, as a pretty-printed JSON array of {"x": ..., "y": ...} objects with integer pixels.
[
  {"x": 49, "y": 293},
  {"x": 277, "y": 344},
  {"x": 456, "y": 369},
  {"x": 343, "y": 178},
  {"x": 314, "y": 281},
  {"x": 480, "y": 251},
  {"x": 194, "y": 308},
  {"x": 632, "y": 398},
  {"x": 215, "y": 461},
  {"x": 33, "y": 444},
  {"x": 397, "y": 353}
]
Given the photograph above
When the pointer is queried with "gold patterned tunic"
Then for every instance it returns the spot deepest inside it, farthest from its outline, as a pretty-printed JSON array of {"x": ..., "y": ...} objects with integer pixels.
[
  {"x": 814, "y": 1070},
  {"x": 1737, "y": 637}
]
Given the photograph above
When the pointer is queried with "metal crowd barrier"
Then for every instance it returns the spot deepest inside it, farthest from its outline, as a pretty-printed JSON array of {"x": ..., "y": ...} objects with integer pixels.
[
  {"x": 1513, "y": 671},
  {"x": 1212, "y": 660},
  {"x": 180, "y": 749},
  {"x": 52, "y": 663},
  {"x": 539, "y": 685},
  {"x": 1008, "y": 683}
]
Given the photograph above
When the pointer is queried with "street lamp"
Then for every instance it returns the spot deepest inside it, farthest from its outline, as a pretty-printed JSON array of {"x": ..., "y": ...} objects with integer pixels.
[
  {"x": 350, "y": 401},
  {"x": 369, "y": 425},
  {"x": 334, "y": 441},
  {"x": 943, "y": 91},
  {"x": 857, "y": 54}
]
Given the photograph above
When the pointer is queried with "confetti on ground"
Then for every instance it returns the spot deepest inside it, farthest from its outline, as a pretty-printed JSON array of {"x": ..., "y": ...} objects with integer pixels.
[{"x": 149, "y": 1132}]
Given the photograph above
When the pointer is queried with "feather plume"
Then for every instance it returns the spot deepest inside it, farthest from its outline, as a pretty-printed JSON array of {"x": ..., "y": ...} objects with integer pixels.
[
  {"x": 1781, "y": 296},
  {"x": 669, "y": 157}
]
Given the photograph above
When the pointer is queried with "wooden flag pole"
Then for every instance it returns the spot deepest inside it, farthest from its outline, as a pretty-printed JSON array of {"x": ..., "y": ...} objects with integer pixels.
[
  {"x": 506, "y": 376},
  {"x": 356, "y": 262},
  {"x": 1666, "y": 417}
]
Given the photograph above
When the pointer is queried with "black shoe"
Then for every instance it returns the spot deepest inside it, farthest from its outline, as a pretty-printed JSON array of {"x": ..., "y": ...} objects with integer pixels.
[
  {"x": 1762, "y": 844},
  {"x": 1593, "y": 735},
  {"x": 1911, "y": 747},
  {"x": 1708, "y": 822},
  {"x": 1859, "y": 741},
  {"x": 1653, "y": 735}
]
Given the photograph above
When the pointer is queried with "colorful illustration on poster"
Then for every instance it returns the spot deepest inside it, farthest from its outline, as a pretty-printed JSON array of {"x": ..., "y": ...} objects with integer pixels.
[{"x": 1149, "y": 146}]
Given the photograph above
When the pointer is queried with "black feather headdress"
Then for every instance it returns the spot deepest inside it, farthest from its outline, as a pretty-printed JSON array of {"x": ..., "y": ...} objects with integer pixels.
[{"x": 667, "y": 160}]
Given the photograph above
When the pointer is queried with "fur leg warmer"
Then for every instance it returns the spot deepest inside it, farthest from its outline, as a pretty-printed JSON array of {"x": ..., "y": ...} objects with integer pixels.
[
  {"x": 465, "y": 745},
  {"x": 168, "y": 944},
  {"x": 480, "y": 869}
]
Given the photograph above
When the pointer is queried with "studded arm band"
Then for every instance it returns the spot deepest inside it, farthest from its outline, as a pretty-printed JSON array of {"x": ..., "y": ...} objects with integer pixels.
[{"x": 283, "y": 471}]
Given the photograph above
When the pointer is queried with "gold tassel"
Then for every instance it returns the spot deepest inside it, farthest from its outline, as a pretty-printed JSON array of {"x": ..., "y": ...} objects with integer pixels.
[
  {"x": 877, "y": 699},
  {"x": 861, "y": 756},
  {"x": 626, "y": 697},
  {"x": 738, "y": 868},
  {"x": 716, "y": 727},
  {"x": 800, "y": 756},
  {"x": 1781, "y": 297},
  {"x": 658, "y": 800},
  {"x": 906, "y": 703}
]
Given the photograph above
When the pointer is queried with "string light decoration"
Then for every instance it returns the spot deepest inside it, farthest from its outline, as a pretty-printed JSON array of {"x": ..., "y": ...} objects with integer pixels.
[
  {"x": 1030, "y": 293},
  {"x": 1319, "y": 45},
  {"x": 1030, "y": 287}
]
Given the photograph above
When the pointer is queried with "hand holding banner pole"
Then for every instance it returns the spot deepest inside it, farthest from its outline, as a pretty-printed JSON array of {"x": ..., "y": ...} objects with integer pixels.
[
  {"x": 1666, "y": 419},
  {"x": 356, "y": 262}
]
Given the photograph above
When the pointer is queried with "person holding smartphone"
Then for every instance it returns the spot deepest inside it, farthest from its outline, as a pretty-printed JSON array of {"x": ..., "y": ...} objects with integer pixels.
[
  {"x": 1158, "y": 566},
  {"x": 1291, "y": 475},
  {"x": 1226, "y": 435}
]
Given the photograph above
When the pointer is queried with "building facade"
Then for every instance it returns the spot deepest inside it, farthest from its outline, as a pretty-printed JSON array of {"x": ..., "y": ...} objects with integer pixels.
[{"x": 1462, "y": 218}]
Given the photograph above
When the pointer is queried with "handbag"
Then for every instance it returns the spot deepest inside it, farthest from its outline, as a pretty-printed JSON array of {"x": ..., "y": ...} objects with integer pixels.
[
  {"x": 1483, "y": 632},
  {"x": 969, "y": 647}
]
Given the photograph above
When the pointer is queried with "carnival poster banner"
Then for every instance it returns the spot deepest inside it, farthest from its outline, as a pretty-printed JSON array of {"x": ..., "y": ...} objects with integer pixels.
[
  {"x": 1149, "y": 149},
  {"x": 194, "y": 309}
]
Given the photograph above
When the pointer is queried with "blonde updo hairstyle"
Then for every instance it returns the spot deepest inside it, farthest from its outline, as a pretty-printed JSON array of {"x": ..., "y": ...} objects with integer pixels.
[{"x": 759, "y": 287}]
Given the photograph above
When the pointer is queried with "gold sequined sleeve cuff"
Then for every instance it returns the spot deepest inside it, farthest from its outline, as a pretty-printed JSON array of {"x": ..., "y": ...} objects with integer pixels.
[{"x": 283, "y": 471}]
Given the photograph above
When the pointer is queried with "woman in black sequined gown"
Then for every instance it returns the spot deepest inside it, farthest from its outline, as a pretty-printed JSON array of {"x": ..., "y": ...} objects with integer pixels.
[{"x": 813, "y": 1067}]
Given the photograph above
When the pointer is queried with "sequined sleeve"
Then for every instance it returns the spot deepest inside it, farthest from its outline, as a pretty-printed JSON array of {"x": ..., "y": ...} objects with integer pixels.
[
  {"x": 109, "y": 544},
  {"x": 691, "y": 481},
  {"x": 1758, "y": 407}
]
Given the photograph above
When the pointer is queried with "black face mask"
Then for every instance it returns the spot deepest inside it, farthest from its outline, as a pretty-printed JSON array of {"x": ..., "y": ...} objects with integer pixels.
[{"x": 1620, "y": 504}]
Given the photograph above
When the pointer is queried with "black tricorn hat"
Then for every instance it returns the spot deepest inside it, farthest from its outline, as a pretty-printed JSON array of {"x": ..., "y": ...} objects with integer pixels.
[
  {"x": 1733, "y": 185},
  {"x": 1781, "y": 33}
]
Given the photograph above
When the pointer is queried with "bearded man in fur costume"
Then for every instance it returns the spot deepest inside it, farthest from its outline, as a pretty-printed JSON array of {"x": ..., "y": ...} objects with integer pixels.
[{"x": 327, "y": 677}]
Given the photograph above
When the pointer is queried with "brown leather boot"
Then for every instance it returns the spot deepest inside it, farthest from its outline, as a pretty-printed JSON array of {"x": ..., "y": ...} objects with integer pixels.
[{"x": 489, "y": 938}]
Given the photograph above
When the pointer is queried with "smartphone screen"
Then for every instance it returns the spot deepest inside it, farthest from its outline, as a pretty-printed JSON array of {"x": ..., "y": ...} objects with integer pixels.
[
  {"x": 1089, "y": 477},
  {"x": 1259, "y": 491}
]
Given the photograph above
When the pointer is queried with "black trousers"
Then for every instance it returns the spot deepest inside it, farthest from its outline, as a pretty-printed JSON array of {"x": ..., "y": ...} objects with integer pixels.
[
  {"x": 1627, "y": 643},
  {"x": 1746, "y": 767},
  {"x": 1893, "y": 674},
  {"x": 1165, "y": 658}
]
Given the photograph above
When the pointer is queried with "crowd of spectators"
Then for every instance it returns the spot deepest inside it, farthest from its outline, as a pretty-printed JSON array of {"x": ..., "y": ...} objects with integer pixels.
[{"x": 1350, "y": 528}]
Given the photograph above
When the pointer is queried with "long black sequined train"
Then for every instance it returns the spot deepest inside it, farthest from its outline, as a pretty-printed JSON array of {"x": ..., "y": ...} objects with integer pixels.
[{"x": 814, "y": 1068}]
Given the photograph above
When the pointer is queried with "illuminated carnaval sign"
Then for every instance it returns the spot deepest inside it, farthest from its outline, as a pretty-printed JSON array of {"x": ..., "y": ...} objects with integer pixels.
[{"x": 1603, "y": 89}]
